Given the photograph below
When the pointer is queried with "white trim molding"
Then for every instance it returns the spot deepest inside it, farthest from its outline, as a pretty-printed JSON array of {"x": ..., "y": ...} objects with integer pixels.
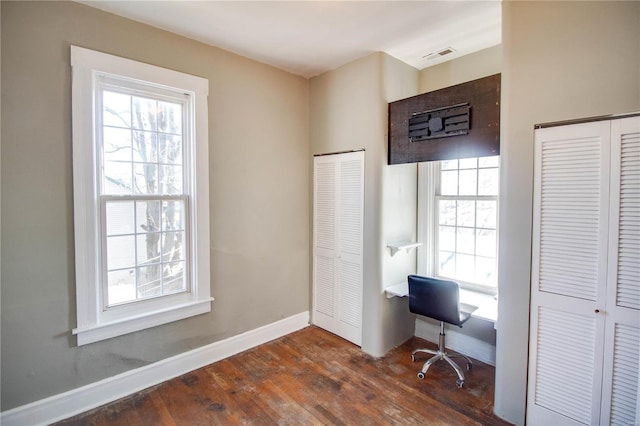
[
  {"x": 458, "y": 342},
  {"x": 94, "y": 74},
  {"x": 79, "y": 400}
]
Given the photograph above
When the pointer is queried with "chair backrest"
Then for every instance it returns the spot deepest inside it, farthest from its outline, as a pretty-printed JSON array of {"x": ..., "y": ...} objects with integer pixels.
[{"x": 435, "y": 298}]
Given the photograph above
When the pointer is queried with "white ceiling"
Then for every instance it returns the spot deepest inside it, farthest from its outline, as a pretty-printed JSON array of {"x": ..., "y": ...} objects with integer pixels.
[{"x": 311, "y": 37}]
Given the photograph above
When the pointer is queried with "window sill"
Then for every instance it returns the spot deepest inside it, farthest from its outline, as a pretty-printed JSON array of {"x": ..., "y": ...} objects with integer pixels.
[
  {"x": 486, "y": 303},
  {"x": 97, "y": 332}
]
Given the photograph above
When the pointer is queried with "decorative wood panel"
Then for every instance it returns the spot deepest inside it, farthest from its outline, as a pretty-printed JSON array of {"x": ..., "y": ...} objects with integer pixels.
[{"x": 483, "y": 139}]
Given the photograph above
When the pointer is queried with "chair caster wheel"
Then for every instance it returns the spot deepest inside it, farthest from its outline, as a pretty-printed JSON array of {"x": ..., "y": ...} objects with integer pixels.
[
  {"x": 459, "y": 383},
  {"x": 469, "y": 366},
  {"x": 421, "y": 375},
  {"x": 413, "y": 357}
]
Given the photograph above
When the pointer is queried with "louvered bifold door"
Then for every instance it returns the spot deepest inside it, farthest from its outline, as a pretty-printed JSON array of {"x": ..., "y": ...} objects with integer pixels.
[
  {"x": 621, "y": 390},
  {"x": 324, "y": 242},
  {"x": 350, "y": 225},
  {"x": 338, "y": 207},
  {"x": 569, "y": 266}
]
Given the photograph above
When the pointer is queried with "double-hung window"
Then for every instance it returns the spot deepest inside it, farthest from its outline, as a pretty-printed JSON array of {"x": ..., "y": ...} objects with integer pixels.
[
  {"x": 140, "y": 195},
  {"x": 461, "y": 201}
]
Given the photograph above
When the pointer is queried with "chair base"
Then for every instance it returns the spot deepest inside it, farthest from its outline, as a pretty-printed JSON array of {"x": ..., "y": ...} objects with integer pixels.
[{"x": 442, "y": 354}]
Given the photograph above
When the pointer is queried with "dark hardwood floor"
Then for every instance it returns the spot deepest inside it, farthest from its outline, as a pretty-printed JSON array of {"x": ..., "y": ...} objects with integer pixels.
[{"x": 306, "y": 378}]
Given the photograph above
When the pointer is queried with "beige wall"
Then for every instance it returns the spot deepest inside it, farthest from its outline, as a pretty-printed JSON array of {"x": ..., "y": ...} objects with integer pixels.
[
  {"x": 345, "y": 107},
  {"x": 259, "y": 198},
  {"x": 561, "y": 60},
  {"x": 466, "y": 68},
  {"x": 348, "y": 111},
  {"x": 399, "y": 207}
]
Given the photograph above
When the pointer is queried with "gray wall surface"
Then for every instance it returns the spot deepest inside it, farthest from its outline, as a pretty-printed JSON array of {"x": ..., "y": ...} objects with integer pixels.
[
  {"x": 259, "y": 198},
  {"x": 561, "y": 61}
]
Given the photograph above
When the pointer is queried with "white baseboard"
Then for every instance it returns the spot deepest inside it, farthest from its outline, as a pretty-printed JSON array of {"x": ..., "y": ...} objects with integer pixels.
[
  {"x": 456, "y": 341},
  {"x": 79, "y": 400}
]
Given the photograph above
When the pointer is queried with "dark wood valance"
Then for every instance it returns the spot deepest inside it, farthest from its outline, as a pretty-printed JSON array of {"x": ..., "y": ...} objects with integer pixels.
[{"x": 482, "y": 100}]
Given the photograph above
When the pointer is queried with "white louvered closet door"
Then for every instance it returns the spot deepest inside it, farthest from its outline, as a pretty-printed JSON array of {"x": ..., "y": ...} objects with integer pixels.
[
  {"x": 324, "y": 241},
  {"x": 621, "y": 390},
  {"x": 585, "y": 299},
  {"x": 338, "y": 244},
  {"x": 569, "y": 264}
]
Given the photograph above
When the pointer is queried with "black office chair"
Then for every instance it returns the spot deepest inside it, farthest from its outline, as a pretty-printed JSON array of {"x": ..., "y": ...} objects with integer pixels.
[{"x": 438, "y": 299}]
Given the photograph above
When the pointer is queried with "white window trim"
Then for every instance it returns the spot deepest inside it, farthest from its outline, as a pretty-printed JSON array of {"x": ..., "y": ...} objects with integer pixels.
[
  {"x": 428, "y": 181},
  {"x": 92, "y": 324}
]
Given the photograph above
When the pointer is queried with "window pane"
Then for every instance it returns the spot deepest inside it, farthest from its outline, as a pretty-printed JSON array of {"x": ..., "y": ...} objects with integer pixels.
[
  {"x": 447, "y": 212},
  {"x": 488, "y": 182},
  {"x": 487, "y": 213},
  {"x": 145, "y": 147},
  {"x": 466, "y": 213},
  {"x": 173, "y": 279},
  {"x": 465, "y": 267},
  {"x": 144, "y": 113},
  {"x": 447, "y": 238},
  {"x": 147, "y": 216},
  {"x": 148, "y": 248},
  {"x": 170, "y": 180},
  {"x": 468, "y": 182},
  {"x": 485, "y": 242},
  {"x": 447, "y": 264},
  {"x": 151, "y": 263},
  {"x": 149, "y": 281},
  {"x": 120, "y": 252},
  {"x": 489, "y": 161},
  {"x": 121, "y": 286},
  {"x": 170, "y": 118},
  {"x": 467, "y": 227},
  {"x": 172, "y": 246},
  {"x": 449, "y": 183},
  {"x": 486, "y": 271},
  {"x": 465, "y": 241},
  {"x": 468, "y": 163},
  {"x": 116, "y": 109},
  {"x": 117, "y": 144},
  {"x": 449, "y": 165},
  {"x": 169, "y": 149},
  {"x": 146, "y": 175},
  {"x": 117, "y": 178},
  {"x": 119, "y": 218},
  {"x": 173, "y": 215}
]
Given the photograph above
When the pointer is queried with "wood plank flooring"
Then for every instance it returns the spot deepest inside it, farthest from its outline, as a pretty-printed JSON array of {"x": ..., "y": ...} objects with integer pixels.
[{"x": 310, "y": 377}]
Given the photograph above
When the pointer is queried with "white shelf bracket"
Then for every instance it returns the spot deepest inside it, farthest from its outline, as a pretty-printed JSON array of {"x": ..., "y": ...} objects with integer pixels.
[{"x": 396, "y": 247}]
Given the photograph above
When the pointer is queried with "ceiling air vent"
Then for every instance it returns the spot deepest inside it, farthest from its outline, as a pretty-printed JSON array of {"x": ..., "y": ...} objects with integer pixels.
[{"x": 440, "y": 53}]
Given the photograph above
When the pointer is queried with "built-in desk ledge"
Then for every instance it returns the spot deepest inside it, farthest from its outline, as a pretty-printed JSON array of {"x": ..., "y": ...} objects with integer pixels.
[
  {"x": 486, "y": 303},
  {"x": 403, "y": 245}
]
